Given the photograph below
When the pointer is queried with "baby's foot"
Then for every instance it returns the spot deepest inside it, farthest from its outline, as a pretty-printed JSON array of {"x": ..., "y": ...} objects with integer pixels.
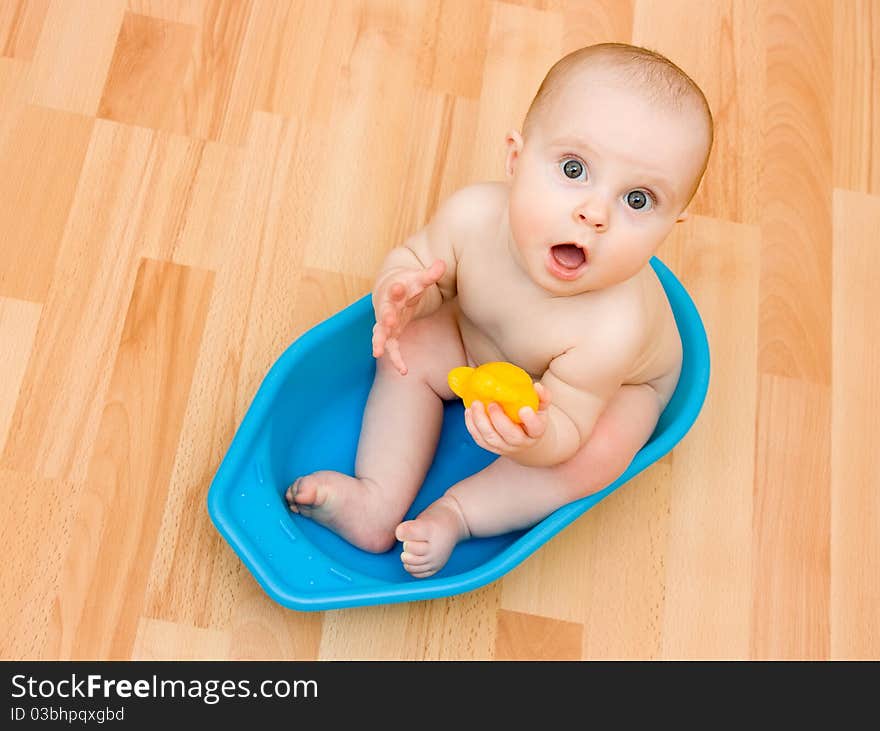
[
  {"x": 344, "y": 504},
  {"x": 429, "y": 539}
]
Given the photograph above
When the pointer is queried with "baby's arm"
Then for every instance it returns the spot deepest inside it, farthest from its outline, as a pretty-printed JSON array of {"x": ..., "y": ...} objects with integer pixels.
[
  {"x": 436, "y": 241},
  {"x": 581, "y": 384},
  {"x": 417, "y": 277}
]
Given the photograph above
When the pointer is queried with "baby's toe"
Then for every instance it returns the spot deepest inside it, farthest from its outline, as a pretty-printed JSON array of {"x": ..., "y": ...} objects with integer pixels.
[
  {"x": 410, "y": 530},
  {"x": 418, "y": 566},
  {"x": 422, "y": 574},
  {"x": 417, "y": 548},
  {"x": 410, "y": 559},
  {"x": 290, "y": 496},
  {"x": 304, "y": 492}
]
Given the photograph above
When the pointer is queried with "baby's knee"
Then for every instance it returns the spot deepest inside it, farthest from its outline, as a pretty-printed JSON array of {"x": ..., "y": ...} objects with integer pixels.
[
  {"x": 414, "y": 343},
  {"x": 596, "y": 465},
  {"x": 430, "y": 348}
]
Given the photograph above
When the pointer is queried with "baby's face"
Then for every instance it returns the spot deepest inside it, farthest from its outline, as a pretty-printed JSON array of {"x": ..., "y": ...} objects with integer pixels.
[{"x": 598, "y": 184}]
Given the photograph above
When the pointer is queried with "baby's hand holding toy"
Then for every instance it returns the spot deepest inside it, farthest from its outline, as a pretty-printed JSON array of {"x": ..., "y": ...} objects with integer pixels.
[
  {"x": 395, "y": 301},
  {"x": 504, "y": 412}
]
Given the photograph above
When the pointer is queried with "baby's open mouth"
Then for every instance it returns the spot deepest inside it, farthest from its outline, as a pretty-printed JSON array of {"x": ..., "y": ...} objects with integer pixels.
[{"x": 566, "y": 260}]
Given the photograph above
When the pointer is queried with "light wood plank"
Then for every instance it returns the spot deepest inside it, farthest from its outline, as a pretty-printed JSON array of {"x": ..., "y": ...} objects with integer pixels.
[
  {"x": 57, "y": 415},
  {"x": 35, "y": 527},
  {"x": 189, "y": 12},
  {"x": 160, "y": 640},
  {"x": 18, "y": 329},
  {"x": 150, "y": 59},
  {"x": 795, "y": 213},
  {"x": 179, "y": 77},
  {"x": 855, "y": 463},
  {"x": 791, "y": 522},
  {"x": 522, "y": 45},
  {"x": 95, "y": 264},
  {"x": 528, "y": 637},
  {"x": 20, "y": 24},
  {"x": 262, "y": 630},
  {"x": 792, "y": 491},
  {"x": 41, "y": 158},
  {"x": 15, "y": 88},
  {"x": 292, "y": 58},
  {"x": 623, "y": 600},
  {"x": 122, "y": 505},
  {"x": 856, "y": 106},
  {"x": 708, "y": 571},
  {"x": 447, "y": 628},
  {"x": 69, "y": 73},
  {"x": 602, "y": 21},
  {"x": 729, "y": 68},
  {"x": 349, "y": 634},
  {"x": 454, "y": 50},
  {"x": 586, "y": 573},
  {"x": 381, "y": 42}
]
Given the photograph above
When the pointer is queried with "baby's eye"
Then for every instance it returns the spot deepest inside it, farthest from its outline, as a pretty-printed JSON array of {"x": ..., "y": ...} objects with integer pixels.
[
  {"x": 638, "y": 199},
  {"x": 572, "y": 168}
]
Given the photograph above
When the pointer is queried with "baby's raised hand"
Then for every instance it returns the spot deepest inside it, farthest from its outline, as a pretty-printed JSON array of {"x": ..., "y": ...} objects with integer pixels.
[
  {"x": 496, "y": 432},
  {"x": 395, "y": 302}
]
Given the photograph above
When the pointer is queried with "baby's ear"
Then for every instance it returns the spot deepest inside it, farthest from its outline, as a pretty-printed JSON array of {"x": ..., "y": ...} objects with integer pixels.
[{"x": 514, "y": 143}]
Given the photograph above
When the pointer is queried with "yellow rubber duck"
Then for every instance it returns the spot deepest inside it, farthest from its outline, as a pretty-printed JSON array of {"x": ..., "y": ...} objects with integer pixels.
[{"x": 504, "y": 383}]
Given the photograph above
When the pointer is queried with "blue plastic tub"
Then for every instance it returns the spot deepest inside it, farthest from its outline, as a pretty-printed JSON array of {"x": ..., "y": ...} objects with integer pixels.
[{"x": 295, "y": 426}]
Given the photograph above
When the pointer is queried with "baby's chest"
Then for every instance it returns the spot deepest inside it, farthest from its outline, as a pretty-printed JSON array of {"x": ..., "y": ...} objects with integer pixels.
[{"x": 501, "y": 324}]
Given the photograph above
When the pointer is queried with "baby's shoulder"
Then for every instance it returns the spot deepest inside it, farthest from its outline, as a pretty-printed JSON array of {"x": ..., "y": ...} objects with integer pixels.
[
  {"x": 473, "y": 209},
  {"x": 489, "y": 194},
  {"x": 620, "y": 323}
]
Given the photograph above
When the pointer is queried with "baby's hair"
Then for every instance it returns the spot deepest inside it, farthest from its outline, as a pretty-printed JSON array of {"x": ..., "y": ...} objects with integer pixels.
[{"x": 652, "y": 72}]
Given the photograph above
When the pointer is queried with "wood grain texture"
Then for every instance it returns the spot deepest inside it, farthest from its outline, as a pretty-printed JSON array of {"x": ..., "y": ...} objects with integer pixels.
[
  {"x": 707, "y": 559},
  {"x": 725, "y": 56},
  {"x": 855, "y": 403},
  {"x": 144, "y": 83},
  {"x": 73, "y": 30},
  {"x": 59, "y": 406},
  {"x": 528, "y": 637},
  {"x": 857, "y": 96},
  {"x": 21, "y": 22},
  {"x": 120, "y": 510},
  {"x": 795, "y": 333},
  {"x": 42, "y": 158},
  {"x": 190, "y": 185},
  {"x": 18, "y": 328},
  {"x": 792, "y": 470},
  {"x": 37, "y": 529},
  {"x": 791, "y": 521}
]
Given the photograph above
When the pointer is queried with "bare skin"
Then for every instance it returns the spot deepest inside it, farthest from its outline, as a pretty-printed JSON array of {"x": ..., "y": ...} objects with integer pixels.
[{"x": 484, "y": 282}]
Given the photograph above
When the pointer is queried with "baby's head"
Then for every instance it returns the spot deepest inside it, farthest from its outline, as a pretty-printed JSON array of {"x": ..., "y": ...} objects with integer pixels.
[{"x": 612, "y": 151}]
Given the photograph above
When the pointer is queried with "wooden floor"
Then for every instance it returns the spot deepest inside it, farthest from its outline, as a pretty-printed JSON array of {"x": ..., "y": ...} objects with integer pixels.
[{"x": 185, "y": 187}]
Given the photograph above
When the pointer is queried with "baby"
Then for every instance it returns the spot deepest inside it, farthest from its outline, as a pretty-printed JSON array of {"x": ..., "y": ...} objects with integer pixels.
[{"x": 548, "y": 270}]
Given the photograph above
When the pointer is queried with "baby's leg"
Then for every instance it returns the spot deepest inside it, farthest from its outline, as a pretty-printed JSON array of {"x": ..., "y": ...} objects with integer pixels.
[
  {"x": 399, "y": 433},
  {"x": 506, "y": 495}
]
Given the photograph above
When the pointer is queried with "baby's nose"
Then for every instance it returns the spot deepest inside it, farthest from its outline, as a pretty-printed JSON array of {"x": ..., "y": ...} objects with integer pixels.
[{"x": 593, "y": 213}]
